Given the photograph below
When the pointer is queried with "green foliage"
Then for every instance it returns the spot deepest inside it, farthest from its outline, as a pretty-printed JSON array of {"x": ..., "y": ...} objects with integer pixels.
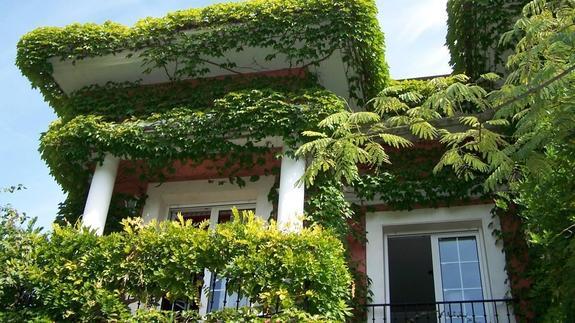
[
  {"x": 118, "y": 102},
  {"x": 328, "y": 207},
  {"x": 185, "y": 133},
  {"x": 549, "y": 216},
  {"x": 74, "y": 275},
  {"x": 19, "y": 240},
  {"x": 520, "y": 137},
  {"x": 400, "y": 111},
  {"x": 536, "y": 99},
  {"x": 303, "y": 32},
  {"x": 473, "y": 32},
  {"x": 410, "y": 182},
  {"x": 242, "y": 314}
]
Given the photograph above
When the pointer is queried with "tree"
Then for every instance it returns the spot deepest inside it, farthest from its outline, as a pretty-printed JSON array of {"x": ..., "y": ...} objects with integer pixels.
[
  {"x": 517, "y": 132},
  {"x": 536, "y": 100}
]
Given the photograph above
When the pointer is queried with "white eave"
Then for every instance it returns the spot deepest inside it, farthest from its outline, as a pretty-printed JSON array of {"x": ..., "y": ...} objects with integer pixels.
[{"x": 74, "y": 75}]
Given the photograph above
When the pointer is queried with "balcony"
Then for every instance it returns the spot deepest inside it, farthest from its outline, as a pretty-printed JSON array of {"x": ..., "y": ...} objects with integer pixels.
[{"x": 492, "y": 310}]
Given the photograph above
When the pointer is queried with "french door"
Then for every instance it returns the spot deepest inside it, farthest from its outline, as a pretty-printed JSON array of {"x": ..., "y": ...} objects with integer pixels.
[
  {"x": 217, "y": 298},
  {"x": 429, "y": 275}
]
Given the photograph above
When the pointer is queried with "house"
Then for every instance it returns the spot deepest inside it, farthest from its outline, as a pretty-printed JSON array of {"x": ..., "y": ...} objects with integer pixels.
[{"x": 200, "y": 111}]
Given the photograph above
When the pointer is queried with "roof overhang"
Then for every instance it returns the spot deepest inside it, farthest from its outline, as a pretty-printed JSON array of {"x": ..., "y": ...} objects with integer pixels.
[{"x": 128, "y": 66}]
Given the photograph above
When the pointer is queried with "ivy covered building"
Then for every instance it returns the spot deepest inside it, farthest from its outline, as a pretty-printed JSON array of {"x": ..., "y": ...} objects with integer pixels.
[{"x": 202, "y": 110}]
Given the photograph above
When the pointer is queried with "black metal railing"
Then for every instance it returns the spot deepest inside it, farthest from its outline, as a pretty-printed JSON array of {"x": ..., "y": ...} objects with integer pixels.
[
  {"x": 218, "y": 297},
  {"x": 487, "y": 311}
]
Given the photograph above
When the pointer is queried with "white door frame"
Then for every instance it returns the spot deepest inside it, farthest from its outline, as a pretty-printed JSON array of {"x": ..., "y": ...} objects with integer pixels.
[
  {"x": 434, "y": 237},
  {"x": 434, "y": 240},
  {"x": 478, "y": 218}
]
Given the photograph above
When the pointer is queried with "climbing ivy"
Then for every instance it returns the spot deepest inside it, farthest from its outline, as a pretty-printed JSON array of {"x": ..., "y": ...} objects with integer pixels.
[
  {"x": 186, "y": 133},
  {"x": 120, "y": 101},
  {"x": 474, "y": 28},
  {"x": 409, "y": 182},
  {"x": 193, "y": 120},
  {"x": 304, "y": 33}
]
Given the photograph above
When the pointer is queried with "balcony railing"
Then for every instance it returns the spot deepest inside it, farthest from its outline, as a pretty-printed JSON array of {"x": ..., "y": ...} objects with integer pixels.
[
  {"x": 217, "y": 298},
  {"x": 487, "y": 311}
]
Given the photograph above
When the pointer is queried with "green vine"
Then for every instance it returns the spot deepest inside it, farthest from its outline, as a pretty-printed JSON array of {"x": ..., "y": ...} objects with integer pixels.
[
  {"x": 120, "y": 101},
  {"x": 304, "y": 32},
  {"x": 473, "y": 32},
  {"x": 409, "y": 182},
  {"x": 186, "y": 133},
  {"x": 327, "y": 206}
]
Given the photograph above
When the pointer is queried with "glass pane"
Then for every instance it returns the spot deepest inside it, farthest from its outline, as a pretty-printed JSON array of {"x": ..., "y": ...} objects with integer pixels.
[
  {"x": 473, "y": 294},
  {"x": 234, "y": 301},
  {"x": 448, "y": 250},
  {"x": 460, "y": 271},
  {"x": 453, "y": 312},
  {"x": 471, "y": 277},
  {"x": 197, "y": 216},
  {"x": 218, "y": 294},
  {"x": 468, "y": 249},
  {"x": 474, "y": 312},
  {"x": 226, "y": 215},
  {"x": 452, "y": 295},
  {"x": 450, "y": 276}
]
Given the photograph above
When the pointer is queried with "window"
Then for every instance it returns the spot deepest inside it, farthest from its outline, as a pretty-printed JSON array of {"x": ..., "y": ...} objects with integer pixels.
[
  {"x": 217, "y": 298},
  {"x": 438, "y": 267},
  {"x": 212, "y": 214},
  {"x": 459, "y": 264},
  {"x": 404, "y": 262}
]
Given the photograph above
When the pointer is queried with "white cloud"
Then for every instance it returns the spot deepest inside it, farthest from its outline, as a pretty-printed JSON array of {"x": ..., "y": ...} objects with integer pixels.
[
  {"x": 408, "y": 20},
  {"x": 415, "y": 36},
  {"x": 435, "y": 61},
  {"x": 422, "y": 16}
]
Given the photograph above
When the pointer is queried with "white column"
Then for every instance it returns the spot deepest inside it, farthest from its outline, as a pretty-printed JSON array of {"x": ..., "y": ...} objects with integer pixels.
[
  {"x": 291, "y": 195},
  {"x": 100, "y": 194}
]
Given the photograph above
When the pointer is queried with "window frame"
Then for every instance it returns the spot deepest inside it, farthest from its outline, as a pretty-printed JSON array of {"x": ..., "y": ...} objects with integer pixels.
[
  {"x": 438, "y": 279},
  {"x": 435, "y": 235},
  {"x": 215, "y": 209}
]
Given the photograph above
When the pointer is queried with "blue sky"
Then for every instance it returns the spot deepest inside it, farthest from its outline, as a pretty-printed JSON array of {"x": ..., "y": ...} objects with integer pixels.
[{"x": 414, "y": 30}]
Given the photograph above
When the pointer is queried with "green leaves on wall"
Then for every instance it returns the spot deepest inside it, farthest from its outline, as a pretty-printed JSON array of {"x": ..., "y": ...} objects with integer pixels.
[{"x": 304, "y": 32}]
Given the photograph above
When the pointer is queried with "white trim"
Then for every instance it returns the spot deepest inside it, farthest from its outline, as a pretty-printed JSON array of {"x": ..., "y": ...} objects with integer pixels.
[
  {"x": 477, "y": 218},
  {"x": 211, "y": 205},
  {"x": 207, "y": 193}
]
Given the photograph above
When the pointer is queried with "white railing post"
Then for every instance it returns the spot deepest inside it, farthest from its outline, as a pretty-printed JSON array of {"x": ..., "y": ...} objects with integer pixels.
[
  {"x": 291, "y": 194},
  {"x": 100, "y": 194}
]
